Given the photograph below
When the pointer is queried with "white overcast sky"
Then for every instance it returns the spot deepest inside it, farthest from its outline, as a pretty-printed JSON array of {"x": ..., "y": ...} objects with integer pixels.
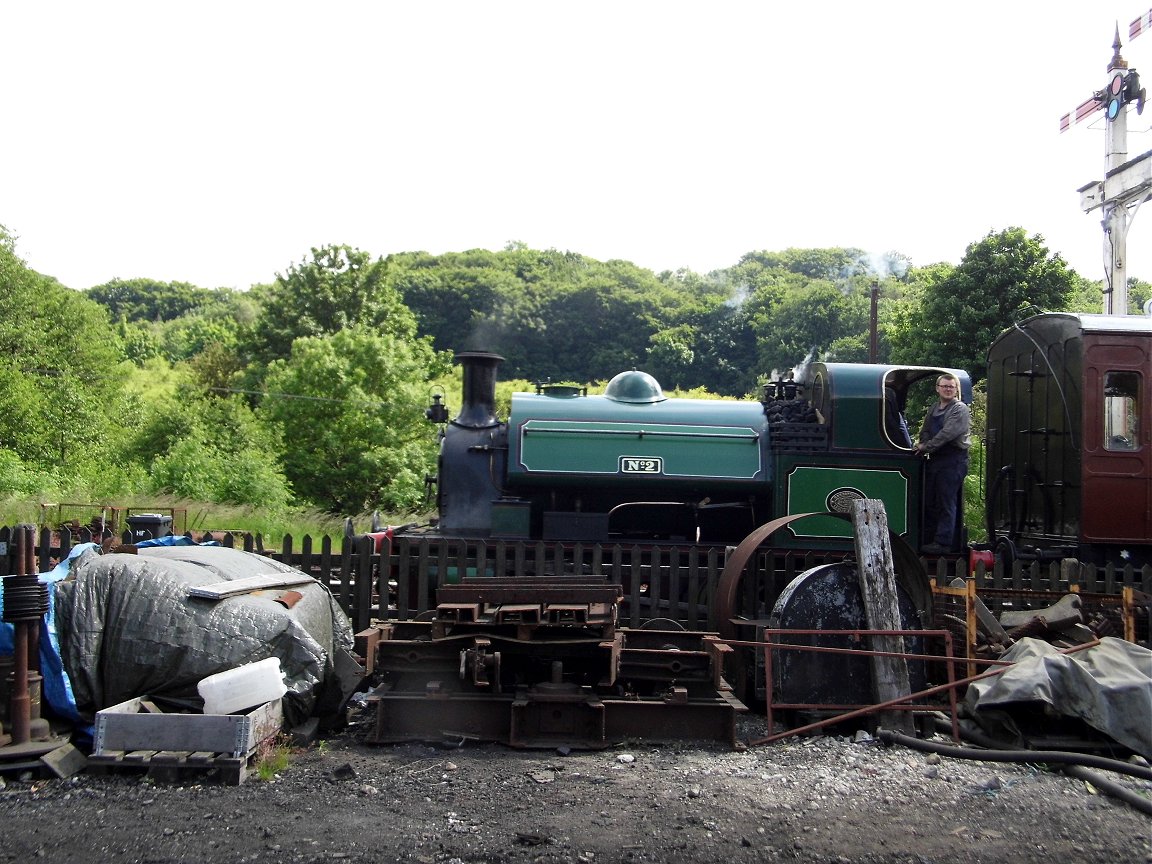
[{"x": 217, "y": 142}]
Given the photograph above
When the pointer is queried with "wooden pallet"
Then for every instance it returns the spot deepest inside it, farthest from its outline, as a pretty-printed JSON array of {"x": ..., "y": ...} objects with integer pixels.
[
  {"x": 174, "y": 766},
  {"x": 136, "y": 736}
]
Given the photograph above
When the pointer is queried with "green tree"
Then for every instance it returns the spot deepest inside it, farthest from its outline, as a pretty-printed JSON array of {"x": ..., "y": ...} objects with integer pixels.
[
  {"x": 349, "y": 407},
  {"x": 726, "y": 361},
  {"x": 672, "y": 354},
  {"x": 833, "y": 264},
  {"x": 216, "y": 368},
  {"x": 60, "y": 360},
  {"x": 807, "y": 321},
  {"x": 139, "y": 341},
  {"x": 546, "y": 311},
  {"x": 1088, "y": 296},
  {"x": 214, "y": 449},
  {"x": 452, "y": 294},
  {"x": 149, "y": 300},
  {"x": 1002, "y": 278},
  {"x": 223, "y": 322},
  {"x": 1139, "y": 293},
  {"x": 337, "y": 287},
  {"x": 798, "y": 303}
]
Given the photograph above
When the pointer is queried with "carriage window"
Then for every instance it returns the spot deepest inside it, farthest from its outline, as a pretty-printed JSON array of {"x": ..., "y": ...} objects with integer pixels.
[{"x": 1121, "y": 410}]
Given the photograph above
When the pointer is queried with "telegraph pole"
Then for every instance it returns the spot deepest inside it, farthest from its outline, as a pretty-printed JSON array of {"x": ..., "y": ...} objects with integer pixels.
[{"x": 873, "y": 322}]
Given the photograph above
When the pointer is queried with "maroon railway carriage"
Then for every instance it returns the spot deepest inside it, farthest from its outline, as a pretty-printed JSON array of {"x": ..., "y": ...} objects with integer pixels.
[{"x": 1069, "y": 439}]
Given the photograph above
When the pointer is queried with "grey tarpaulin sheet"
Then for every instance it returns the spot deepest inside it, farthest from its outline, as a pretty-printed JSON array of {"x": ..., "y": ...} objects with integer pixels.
[
  {"x": 128, "y": 629},
  {"x": 1107, "y": 686}
]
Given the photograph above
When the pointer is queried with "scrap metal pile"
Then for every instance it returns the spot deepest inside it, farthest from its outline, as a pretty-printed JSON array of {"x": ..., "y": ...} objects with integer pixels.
[
  {"x": 541, "y": 663},
  {"x": 1068, "y": 620}
]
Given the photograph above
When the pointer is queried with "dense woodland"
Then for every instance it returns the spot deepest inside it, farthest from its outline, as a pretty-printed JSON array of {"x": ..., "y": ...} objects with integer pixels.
[{"x": 309, "y": 391}]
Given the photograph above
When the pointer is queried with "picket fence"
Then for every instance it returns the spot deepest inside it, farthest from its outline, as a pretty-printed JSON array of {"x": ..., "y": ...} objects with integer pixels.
[{"x": 377, "y": 578}]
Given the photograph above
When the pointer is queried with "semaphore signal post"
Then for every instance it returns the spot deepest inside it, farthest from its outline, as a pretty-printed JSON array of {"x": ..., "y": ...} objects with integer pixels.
[{"x": 1127, "y": 182}]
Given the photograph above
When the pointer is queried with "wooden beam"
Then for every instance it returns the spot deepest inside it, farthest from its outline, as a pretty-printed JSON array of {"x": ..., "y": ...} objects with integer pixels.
[{"x": 881, "y": 607}]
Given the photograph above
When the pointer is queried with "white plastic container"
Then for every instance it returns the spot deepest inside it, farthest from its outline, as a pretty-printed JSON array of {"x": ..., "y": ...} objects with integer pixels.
[{"x": 243, "y": 687}]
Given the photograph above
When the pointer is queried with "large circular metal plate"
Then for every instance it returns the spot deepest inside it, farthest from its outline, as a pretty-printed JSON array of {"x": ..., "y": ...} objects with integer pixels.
[{"x": 828, "y": 598}]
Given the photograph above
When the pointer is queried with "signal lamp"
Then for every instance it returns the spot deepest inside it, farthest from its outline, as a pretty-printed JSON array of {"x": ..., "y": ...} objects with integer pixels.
[{"x": 1115, "y": 96}]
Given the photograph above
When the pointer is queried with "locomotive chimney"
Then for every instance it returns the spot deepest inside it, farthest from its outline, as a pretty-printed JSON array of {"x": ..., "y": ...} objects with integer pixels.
[{"x": 479, "y": 399}]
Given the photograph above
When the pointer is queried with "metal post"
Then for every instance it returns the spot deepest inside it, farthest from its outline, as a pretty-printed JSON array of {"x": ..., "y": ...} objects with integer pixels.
[{"x": 873, "y": 323}]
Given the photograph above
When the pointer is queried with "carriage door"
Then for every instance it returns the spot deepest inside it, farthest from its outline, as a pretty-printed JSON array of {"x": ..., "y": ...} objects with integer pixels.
[{"x": 1117, "y": 445}]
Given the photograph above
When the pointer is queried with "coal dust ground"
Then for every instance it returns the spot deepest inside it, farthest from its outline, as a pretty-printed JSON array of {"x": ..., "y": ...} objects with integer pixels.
[{"x": 825, "y": 799}]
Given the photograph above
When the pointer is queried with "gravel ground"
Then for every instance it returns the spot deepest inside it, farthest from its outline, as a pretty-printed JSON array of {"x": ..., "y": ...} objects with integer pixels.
[{"x": 825, "y": 799}]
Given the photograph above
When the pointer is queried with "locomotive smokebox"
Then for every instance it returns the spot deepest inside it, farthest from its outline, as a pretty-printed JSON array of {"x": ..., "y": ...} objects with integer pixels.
[
  {"x": 478, "y": 410},
  {"x": 473, "y": 451}
]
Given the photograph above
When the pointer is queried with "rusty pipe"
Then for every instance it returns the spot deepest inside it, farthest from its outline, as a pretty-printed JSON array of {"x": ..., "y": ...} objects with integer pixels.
[
  {"x": 28, "y": 550},
  {"x": 31, "y": 569},
  {"x": 20, "y": 712}
]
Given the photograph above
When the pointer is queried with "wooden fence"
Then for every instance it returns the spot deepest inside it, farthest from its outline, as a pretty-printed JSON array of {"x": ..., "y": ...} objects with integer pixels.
[{"x": 381, "y": 579}]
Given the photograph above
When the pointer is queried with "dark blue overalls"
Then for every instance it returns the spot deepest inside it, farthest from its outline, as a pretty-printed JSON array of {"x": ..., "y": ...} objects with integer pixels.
[{"x": 943, "y": 486}]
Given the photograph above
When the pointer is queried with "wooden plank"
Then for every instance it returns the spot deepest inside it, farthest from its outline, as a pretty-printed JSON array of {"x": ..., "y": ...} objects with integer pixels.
[
  {"x": 881, "y": 607},
  {"x": 169, "y": 757},
  {"x": 266, "y": 721},
  {"x": 219, "y": 732},
  {"x": 230, "y": 588},
  {"x": 176, "y": 766},
  {"x": 64, "y": 761},
  {"x": 989, "y": 623},
  {"x": 366, "y": 642},
  {"x": 233, "y": 772},
  {"x": 362, "y": 584}
]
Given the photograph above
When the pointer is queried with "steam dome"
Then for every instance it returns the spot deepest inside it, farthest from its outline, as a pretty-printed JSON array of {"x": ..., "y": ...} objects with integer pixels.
[{"x": 635, "y": 386}]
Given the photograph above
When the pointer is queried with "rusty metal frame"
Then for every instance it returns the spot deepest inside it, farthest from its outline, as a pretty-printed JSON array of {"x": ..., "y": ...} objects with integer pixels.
[
  {"x": 948, "y": 659},
  {"x": 968, "y": 595},
  {"x": 698, "y": 703},
  {"x": 952, "y": 686}
]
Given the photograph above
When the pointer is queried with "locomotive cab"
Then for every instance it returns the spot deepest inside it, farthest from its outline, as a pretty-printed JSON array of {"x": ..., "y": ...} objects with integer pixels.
[{"x": 872, "y": 413}]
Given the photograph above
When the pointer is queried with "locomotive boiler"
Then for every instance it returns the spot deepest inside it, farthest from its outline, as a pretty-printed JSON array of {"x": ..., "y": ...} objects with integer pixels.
[{"x": 632, "y": 463}]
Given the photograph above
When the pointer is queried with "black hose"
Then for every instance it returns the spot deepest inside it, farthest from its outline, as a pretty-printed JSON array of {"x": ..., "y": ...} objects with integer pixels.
[
  {"x": 1140, "y": 772},
  {"x": 1110, "y": 787},
  {"x": 1075, "y": 763},
  {"x": 991, "y": 752}
]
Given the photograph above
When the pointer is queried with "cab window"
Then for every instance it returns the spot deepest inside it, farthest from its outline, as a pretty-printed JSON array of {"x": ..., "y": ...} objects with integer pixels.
[{"x": 895, "y": 421}]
